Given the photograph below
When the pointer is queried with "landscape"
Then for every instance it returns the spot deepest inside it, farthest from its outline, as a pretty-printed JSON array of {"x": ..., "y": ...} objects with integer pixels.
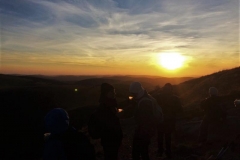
[
  {"x": 27, "y": 94},
  {"x": 83, "y": 57}
]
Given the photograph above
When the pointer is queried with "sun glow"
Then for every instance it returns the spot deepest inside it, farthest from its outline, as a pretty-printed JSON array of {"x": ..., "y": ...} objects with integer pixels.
[{"x": 171, "y": 61}]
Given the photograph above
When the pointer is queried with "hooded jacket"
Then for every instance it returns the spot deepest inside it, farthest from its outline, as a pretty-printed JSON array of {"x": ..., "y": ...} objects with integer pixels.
[{"x": 65, "y": 143}]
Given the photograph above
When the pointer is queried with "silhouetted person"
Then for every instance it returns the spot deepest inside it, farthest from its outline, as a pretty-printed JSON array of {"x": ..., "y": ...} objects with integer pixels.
[
  {"x": 171, "y": 105},
  {"x": 213, "y": 113},
  {"x": 145, "y": 122},
  {"x": 64, "y": 142},
  {"x": 104, "y": 123}
]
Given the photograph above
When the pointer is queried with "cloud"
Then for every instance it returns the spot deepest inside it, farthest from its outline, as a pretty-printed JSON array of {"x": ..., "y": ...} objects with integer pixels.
[{"x": 96, "y": 32}]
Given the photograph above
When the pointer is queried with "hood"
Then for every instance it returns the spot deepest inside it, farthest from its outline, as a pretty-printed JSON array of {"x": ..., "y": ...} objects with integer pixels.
[
  {"x": 137, "y": 89},
  {"x": 57, "y": 121}
]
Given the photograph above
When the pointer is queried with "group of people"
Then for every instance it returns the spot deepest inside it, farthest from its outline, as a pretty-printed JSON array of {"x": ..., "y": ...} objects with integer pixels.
[{"x": 66, "y": 143}]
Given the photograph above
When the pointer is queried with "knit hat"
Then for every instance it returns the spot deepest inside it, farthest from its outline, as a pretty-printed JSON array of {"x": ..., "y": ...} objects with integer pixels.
[
  {"x": 57, "y": 121},
  {"x": 213, "y": 91},
  {"x": 136, "y": 88}
]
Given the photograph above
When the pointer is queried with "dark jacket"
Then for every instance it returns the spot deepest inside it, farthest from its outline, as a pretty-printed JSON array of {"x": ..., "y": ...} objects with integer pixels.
[
  {"x": 213, "y": 108},
  {"x": 70, "y": 145},
  {"x": 111, "y": 131},
  {"x": 171, "y": 105},
  {"x": 144, "y": 115}
]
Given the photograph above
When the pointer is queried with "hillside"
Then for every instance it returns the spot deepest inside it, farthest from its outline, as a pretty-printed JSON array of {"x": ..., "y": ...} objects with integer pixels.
[
  {"x": 25, "y": 96},
  {"x": 190, "y": 90},
  {"x": 226, "y": 81}
]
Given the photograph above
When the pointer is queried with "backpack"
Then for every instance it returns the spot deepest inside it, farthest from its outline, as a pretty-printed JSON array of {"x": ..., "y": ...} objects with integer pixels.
[
  {"x": 157, "y": 110},
  {"x": 94, "y": 126}
]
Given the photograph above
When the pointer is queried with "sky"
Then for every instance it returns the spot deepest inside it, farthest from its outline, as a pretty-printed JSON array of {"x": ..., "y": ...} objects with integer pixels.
[{"x": 117, "y": 37}]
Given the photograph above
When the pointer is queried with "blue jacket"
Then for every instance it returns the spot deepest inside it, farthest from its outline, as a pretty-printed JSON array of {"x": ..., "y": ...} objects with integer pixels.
[{"x": 65, "y": 143}]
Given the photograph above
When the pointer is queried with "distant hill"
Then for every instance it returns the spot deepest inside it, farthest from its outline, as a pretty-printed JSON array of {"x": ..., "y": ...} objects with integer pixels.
[
  {"x": 147, "y": 82},
  {"x": 191, "y": 90},
  {"x": 91, "y": 80},
  {"x": 153, "y": 80},
  {"x": 96, "y": 81},
  {"x": 226, "y": 81},
  {"x": 69, "y": 78},
  {"x": 20, "y": 80}
]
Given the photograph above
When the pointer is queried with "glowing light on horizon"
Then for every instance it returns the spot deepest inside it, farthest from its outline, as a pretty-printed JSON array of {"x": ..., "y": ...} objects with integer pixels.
[{"x": 171, "y": 61}]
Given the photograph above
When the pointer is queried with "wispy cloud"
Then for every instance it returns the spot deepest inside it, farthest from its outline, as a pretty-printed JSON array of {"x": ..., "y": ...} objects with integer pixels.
[{"x": 118, "y": 32}]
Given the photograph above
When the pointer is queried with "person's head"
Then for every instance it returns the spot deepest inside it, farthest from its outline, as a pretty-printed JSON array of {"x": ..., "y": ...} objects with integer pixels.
[
  {"x": 213, "y": 91},
  {"x": 57, "y": 121},
  {"x": 107, "y": 91},
  {"x": 136, "y": 90},
  {"x": 167, "y": 88}
]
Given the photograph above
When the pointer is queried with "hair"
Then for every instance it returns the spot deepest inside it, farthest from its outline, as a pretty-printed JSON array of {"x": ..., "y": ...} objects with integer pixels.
[
  {"x": 105, "y": 89},
  {"x": 168, "y": 88}
]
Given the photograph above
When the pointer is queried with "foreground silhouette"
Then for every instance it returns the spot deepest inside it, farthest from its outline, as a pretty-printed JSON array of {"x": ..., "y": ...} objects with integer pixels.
[
  {"x": 104, "y": 123},
  {"x": 146, "y": 122},
  {"x": 171, "y": 105},
  {"x": 64, "y": 142},
  {"x": 23, "y": 130},
  {"x": 213, "y": 113}
]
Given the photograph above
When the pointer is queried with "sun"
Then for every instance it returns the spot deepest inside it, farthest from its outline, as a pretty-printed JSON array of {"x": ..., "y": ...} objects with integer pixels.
[{"x": 171, "y": 61}]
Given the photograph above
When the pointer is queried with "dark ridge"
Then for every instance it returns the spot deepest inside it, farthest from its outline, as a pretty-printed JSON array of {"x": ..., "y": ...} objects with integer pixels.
[
  {"x": 226, "y": 81},
  {"x": 12, "y": 80},
  {"x": 96, "y": 81}
]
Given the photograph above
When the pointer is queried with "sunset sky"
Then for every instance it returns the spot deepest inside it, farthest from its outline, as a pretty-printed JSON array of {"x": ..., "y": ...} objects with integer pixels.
[{"x": 118, "y": 37}]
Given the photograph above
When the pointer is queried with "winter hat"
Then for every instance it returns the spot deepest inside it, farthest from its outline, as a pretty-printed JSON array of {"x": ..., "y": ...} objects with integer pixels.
[
  {"x": 213, "y": 91},
  {"x": 57, "y": 121},
  {"x": 105, "y": 88},
  {"x": 136, "y": 88}
]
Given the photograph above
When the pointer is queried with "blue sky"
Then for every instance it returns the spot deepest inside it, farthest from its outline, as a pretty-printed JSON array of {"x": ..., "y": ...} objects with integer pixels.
[{"x": 111, "y": 37}]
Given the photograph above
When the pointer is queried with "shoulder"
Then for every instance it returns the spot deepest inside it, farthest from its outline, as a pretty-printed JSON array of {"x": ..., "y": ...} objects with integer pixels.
[
  {"x": 175, "y": 97},
  {"x": 145, "y": 101}
]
